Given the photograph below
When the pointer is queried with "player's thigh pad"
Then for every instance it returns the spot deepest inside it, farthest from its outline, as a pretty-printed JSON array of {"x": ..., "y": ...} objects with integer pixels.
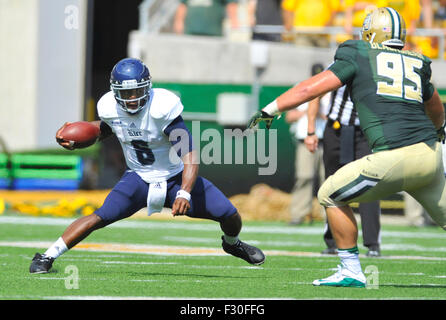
[
  {"x": 433, "y": 199},
  {"x": 379, "y": 175},
  {"x": 128, "y": 196},
  {"x": 433, "y": 196},
  {"x": 207, "y": 201}
]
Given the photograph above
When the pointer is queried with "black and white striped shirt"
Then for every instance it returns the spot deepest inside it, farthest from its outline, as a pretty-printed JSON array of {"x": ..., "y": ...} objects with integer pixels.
[{"x": 341, "y": 108}]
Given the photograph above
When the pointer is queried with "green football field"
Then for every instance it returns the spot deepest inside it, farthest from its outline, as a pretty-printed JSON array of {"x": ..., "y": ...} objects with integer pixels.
[{"x": 183, "y": 259}]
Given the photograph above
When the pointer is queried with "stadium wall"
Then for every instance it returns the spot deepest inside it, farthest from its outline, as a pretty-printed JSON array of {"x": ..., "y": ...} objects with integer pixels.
[
  {"x": 18, "y": 64},
  {"x": 43, "y": 72},
  {"x": 195, "y": 59}
]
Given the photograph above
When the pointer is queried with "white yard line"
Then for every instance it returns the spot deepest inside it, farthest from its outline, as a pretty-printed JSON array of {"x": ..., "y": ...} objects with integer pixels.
[
  {"x": 206, "y": 226},
  {"x": 152, "y": 298},
  {"x": 79, "y": 297}
]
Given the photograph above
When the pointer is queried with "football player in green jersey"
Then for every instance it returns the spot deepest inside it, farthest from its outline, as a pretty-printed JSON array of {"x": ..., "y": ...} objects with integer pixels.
[{"x": 401, "y": 115}]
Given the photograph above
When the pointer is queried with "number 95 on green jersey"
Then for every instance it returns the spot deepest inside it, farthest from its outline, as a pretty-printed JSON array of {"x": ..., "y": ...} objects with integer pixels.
[{"x": 388, "y": 88}]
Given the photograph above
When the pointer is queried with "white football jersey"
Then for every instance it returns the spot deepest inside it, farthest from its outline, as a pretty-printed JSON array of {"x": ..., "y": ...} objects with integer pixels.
[{"x": 147, "y": 150}]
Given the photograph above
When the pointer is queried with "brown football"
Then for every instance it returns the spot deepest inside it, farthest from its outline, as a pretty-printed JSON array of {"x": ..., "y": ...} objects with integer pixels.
[{"x": 82, "y": 133}]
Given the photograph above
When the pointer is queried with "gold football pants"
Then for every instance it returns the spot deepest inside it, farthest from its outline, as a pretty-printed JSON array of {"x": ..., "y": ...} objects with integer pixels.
[{"x": 416, "y": 169}]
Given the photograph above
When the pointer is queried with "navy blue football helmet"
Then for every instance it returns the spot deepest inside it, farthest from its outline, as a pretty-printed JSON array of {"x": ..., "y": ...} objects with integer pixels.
[{"x": 131, "y": 83}]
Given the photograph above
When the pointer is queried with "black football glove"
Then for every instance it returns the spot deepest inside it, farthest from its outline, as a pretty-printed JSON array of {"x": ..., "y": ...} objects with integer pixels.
[
  {"x": 260, "y": 116},
  {"x": 441, "y": 133}
]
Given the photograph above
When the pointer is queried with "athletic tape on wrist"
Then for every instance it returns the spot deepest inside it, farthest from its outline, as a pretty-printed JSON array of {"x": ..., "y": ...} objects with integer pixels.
[
  {"x": 183, "y": 194},
  {"x": 272, "y": 108}
]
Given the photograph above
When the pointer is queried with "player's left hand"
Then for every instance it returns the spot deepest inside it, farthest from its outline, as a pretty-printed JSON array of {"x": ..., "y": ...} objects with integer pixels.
[
  {"x": 258, "y": 117},
  {"x": 180, "y": 207}
]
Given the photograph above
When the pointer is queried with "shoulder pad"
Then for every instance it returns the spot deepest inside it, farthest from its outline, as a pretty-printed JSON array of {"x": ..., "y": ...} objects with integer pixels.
[
  {"x": 165, "y": 105},
  {"x": 352, "y": 43},
  {"x": 106, "y": 106},
  {"x": 348, "y": 49}
]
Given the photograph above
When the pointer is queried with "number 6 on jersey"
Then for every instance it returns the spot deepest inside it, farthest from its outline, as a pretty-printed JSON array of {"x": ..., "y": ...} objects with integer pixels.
[{"x": 144, "y": 154}]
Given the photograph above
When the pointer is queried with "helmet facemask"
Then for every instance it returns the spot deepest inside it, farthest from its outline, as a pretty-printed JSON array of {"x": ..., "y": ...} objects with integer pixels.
[{"x": 131, "y": 94}]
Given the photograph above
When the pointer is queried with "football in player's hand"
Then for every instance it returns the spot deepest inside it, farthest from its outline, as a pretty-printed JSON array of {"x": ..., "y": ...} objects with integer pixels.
[{"x": 82, "y": 133}]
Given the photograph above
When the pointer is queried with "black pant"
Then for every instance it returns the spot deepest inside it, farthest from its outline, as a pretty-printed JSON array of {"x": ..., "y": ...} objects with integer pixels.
[{"x": 369, "y": 212}]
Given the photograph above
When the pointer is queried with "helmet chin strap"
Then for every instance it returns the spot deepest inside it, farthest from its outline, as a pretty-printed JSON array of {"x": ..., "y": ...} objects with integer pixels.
[{"x": 132, "y": 111}]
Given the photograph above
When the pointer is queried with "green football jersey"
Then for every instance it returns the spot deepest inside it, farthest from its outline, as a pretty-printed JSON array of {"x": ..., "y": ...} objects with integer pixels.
[
  {"x": 205, "y": 17},
  {"x": 388, "y": 88}
]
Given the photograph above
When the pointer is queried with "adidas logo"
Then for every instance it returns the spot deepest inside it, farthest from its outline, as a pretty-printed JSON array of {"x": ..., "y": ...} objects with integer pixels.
[{"x": 132, "y": 125}]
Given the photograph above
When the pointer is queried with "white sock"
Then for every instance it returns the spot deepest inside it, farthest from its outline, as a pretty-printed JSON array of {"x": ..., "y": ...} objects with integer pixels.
[
  {"x": 56, "y": 249},
  {"x": 350, "y": 259},
  {"x": 230, "y": 240}
]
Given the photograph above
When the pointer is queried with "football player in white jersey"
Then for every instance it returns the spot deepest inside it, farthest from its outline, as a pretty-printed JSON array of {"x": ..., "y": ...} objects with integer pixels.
[{"x": 162, "y": 166}]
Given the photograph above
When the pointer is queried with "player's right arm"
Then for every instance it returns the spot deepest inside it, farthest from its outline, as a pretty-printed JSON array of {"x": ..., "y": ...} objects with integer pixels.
[
  {"x": 335, "y": 77},
  {"x": 305, "y": 91},
  {"x": 309, "y": 89}
]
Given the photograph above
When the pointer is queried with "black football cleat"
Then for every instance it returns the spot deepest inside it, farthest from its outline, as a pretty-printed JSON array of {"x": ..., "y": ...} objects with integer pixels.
[
  {"x": 244, "y": 251},
  {"x": 41, "y": 264}
]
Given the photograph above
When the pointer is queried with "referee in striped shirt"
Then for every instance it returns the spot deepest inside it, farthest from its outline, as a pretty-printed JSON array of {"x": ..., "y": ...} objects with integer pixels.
[{"x": 344, "y": 142}]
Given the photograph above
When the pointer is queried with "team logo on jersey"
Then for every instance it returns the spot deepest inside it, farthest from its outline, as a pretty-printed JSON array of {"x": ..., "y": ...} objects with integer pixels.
[
  {"x": 116, "y": 123},
  {"x": 134, "y": 133},
  {"x": 157, "y": 185}
]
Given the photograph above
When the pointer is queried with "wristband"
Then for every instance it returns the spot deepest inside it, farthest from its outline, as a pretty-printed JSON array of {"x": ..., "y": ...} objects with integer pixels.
[
  {"x": 311, "y": 133},
  {"x": 183, "y": 194},
  {"x": 272, "y": 108}
]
